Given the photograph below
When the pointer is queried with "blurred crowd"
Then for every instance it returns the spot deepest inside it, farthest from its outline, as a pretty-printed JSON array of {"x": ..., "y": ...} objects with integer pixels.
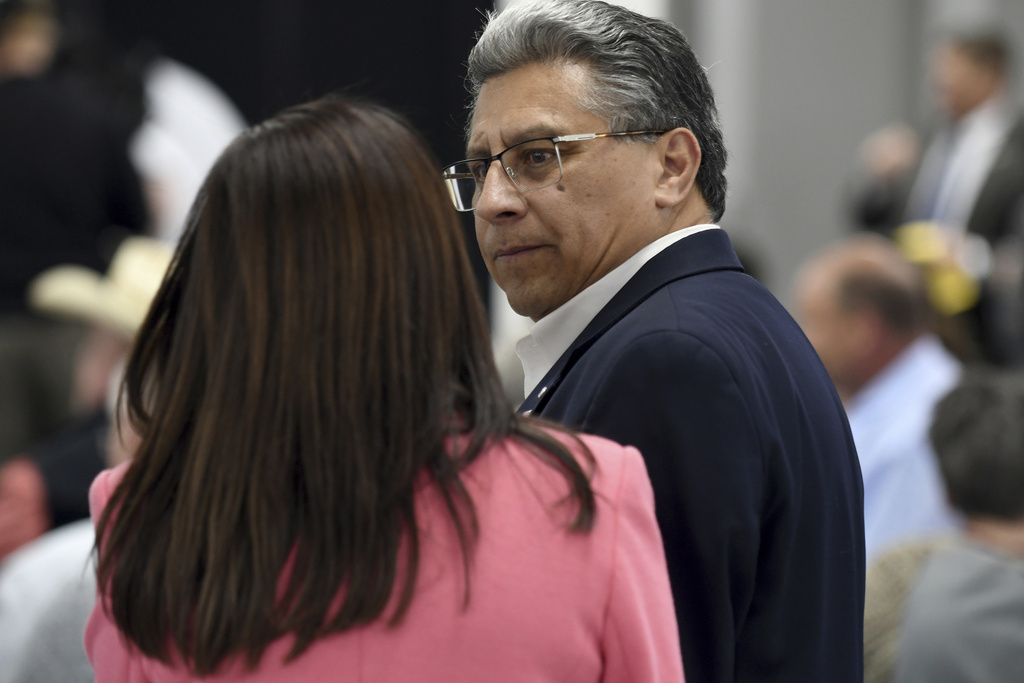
[
  {"x": 918, "y": 319},
  {"x": 103, "y": 151}
]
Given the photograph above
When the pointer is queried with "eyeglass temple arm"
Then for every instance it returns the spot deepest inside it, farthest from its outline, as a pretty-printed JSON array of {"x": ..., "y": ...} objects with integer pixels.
[
  {"x": 591, "y": 136},
  {"x": 578, "y": 137}
]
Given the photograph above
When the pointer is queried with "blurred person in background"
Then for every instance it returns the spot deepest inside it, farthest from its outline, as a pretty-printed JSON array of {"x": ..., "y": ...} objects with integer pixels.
[
  {"x": 890, "y": 577},
  {"x": 330, "y": 482},
  {"x": 48, "y": 590},
  {"x": 964, "y": 620},
  {"x": 48, "y": 485},
  {"x": 68, "y": 193},
  {"x": 47, "y": 587},
  {"x": 865, "y": 309},
  {"x": 965, "y": 187}
]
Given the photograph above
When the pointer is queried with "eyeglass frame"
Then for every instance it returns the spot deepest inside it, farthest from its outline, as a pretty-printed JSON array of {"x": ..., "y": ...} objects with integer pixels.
[{"x": 555, "y": 139}]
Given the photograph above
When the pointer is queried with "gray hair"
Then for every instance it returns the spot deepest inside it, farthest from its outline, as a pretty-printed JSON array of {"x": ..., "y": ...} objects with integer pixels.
[
  {"x": 644, "y": 75},
  {"x": 978, "y": 435}
]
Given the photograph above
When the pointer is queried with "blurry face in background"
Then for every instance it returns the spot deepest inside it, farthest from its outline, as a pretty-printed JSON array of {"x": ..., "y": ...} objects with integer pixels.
[
  {"x": 97, "y": 366},
  {"x": 825, "y": 327},
  {"x": 28, "y": 45},
  {"x": 838, "y": 336},
  {"x": 961, "y": 84}
]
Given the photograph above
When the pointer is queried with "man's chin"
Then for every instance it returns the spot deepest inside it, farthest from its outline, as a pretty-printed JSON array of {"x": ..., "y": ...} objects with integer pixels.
[{"x": 526, "y": 307}]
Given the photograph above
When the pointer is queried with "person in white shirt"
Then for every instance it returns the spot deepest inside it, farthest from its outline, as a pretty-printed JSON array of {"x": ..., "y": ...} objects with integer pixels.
[{"x": 865, "y": 310}]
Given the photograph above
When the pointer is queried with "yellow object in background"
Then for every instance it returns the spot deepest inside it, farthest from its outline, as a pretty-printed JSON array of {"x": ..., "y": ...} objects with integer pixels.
[{"x": 951, "y": 289}]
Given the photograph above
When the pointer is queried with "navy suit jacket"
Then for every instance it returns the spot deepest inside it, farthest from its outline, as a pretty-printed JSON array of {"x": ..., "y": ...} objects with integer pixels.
[{"x": 756, "y": 479}]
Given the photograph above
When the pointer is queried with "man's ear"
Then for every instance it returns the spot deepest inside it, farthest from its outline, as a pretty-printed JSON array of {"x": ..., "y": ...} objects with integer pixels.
[
  {"x": 680, "y": 158},
  {"x": 866, "y": 332}
]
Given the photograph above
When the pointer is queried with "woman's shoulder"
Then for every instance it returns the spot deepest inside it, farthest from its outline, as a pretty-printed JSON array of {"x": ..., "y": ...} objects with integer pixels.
[
  {"x": 611, "y": 451},
  {"x": 612, "y": 457},
  {"x": 103, "y": 487},
  {"x": 614, "y": 470},
  {"x": 601, "y": 447},
  {"x": 621, "y": 475}
]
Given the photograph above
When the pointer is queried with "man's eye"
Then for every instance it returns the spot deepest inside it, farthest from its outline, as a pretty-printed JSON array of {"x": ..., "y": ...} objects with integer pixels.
[
  {"x": 479, "y": 171},
  {"x": 538, "y": 157}
]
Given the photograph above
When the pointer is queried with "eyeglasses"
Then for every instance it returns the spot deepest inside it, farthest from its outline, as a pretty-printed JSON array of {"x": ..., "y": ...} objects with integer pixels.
[{"x": 531, "y": 165}]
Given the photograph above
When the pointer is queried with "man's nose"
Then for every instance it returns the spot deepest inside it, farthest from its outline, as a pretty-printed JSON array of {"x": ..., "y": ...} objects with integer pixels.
[{"x": 499, "y": 197}]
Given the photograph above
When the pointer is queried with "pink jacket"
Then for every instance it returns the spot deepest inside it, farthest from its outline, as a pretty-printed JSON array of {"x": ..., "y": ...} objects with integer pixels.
[{"x": 545, "y": 604}]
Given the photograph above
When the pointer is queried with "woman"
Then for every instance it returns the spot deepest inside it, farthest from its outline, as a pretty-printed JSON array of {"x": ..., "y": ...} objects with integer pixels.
[{"x": 330, "y": 483}]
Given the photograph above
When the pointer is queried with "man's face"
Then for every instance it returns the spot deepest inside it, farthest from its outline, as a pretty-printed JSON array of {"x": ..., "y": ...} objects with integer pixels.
[
  {"x": 27, "y": 45},
  {"x": 545, "y": 246},
  {"x": 832, "y": 332},
  {"x": 961, "y": 84}
]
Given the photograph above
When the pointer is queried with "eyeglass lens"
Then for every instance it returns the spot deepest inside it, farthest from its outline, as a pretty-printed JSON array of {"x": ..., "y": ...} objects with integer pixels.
[{"x": 532, "y": 165}]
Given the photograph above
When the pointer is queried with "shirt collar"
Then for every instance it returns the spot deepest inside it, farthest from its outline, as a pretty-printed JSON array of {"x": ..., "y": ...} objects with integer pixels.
[
  {"x": 924, "y": 357},
  {"x": 552, "y": 335},
  {"x": 993, "y": 113}
]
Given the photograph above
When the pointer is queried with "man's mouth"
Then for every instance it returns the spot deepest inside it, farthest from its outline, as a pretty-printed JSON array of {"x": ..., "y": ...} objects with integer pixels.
[{"x": 511, "y": 252}]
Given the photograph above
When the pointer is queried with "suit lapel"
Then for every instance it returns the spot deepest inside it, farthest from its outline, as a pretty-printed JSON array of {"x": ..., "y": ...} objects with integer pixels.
[
  {"x": 1003, "y": 182},
  {"x": 702, "y": 252}
]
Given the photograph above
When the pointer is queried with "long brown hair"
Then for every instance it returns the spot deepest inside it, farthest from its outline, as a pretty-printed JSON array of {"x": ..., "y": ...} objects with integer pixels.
[{"x": 315, "y": 346}]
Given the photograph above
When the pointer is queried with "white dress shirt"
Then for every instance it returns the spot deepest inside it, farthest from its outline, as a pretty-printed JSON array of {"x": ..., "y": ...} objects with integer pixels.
[
  {"x": 552, "y": 335},
  {"x": 958, "y": 161},
  {"x": 889, "y": 418}
]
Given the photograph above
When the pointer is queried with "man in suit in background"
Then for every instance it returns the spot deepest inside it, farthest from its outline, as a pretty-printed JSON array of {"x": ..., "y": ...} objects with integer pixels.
[
  {"x": 596, "y": 177},
  {"x": 969, "y": 180}
]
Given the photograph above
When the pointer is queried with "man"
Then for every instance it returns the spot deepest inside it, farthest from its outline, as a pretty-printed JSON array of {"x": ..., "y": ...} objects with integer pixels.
[
  {"x": 865, "y": 309},
  {"x": 48, "y": 485},
  {"x": 970, "y": 179},
  {"x": 971, "y": 174},
  {"x": 595, "y": 174},
  {"x": 965, "y": 612}
]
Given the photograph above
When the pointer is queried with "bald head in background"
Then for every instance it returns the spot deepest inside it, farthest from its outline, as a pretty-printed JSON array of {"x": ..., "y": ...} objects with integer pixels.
[
  {"x": 866, "y": 311},
  {"x": 861, "y": 303}
]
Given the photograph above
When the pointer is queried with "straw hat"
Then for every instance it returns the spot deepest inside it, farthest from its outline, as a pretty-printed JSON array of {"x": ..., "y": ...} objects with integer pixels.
[{"x": 120, "y": 299}]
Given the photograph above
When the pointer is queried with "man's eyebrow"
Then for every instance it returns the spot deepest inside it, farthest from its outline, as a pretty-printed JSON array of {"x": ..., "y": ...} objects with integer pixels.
[
  {"x": 533, "y": 132},
  {"x": 538, "y": 131}
]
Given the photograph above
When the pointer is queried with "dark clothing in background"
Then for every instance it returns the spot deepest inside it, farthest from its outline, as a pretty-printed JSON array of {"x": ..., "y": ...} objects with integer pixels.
[
  {"x": 883, "y": 206},
  {"x": 68, "y": 193},
  {"x": 65, "y": 180},
  {"x": 37, "y": 363},
  {"x": 49, "y": 486},
  {"x": 68, "y": 463}
]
